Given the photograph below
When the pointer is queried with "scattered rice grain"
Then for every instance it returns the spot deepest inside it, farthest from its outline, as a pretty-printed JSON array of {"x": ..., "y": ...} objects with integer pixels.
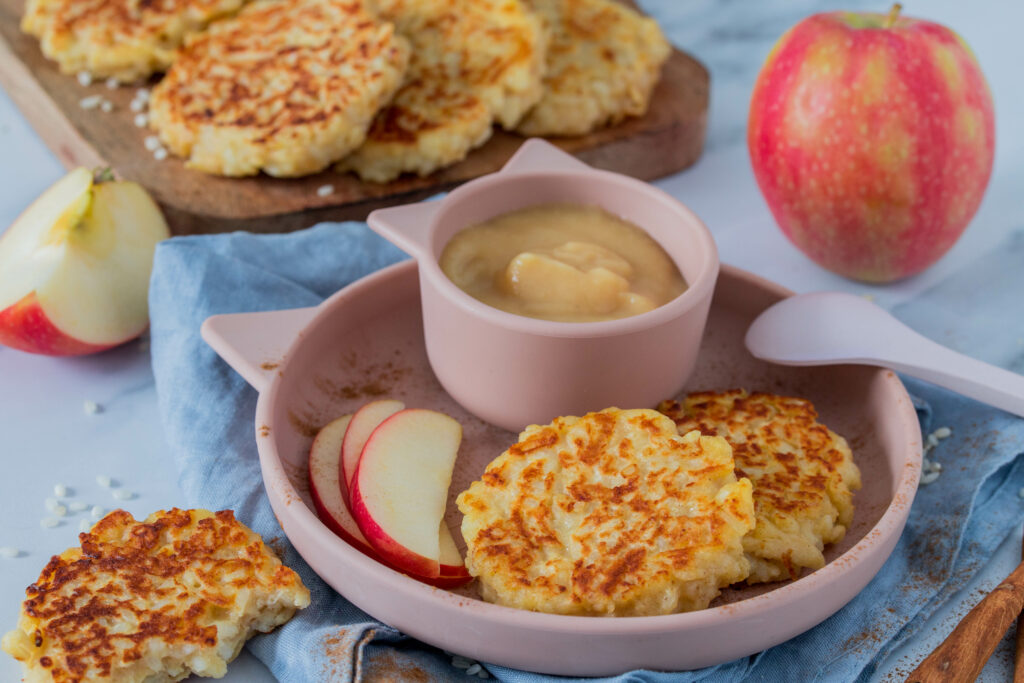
[
  {"x": 141, "y": 120},
  {"x": 84, "y": 526},
  {"x": 142, "y": 94},
  {"x": 7, "y": 551},
  {"x": 943, "y": 432},
  {"x": 92, "y": 408},
  {"x": 49, "y": 522},
  {"x": 152, "y": 143},
  {"x": 104, "y": 481},
  {"x": 325, "y": 190},
  {"x": 96, "y": 512},
  {"x": 160, "y": 154},
  {"x": 112, "y": 83},
  {"x": 60, "y": 511},
  {"x": 121, "y": 494},
  {"x": 460, "y": 662},
  {"x": 84, "y": 78},
  {"x": 51, "y": 504},
  {"x": 933, "y": 440},
  {"x": 90, "y": 102},
  {"x": 473, "y": 670},
  {"x": 60, "y": 490},
  {"x": 929, "y": 477},
  {"x": 77, "y": 506},
  {"x": 137, "y": 105},
  {"x": 106, "y": 106}
]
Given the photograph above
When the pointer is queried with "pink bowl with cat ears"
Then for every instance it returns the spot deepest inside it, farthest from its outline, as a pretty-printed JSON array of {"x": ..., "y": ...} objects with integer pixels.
[{"x": 513, "y": 371}]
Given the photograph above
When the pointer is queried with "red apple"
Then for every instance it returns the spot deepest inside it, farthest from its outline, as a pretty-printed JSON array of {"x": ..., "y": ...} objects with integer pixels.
[
  {"x": 872, "y": 138},
  {"x": 400, "y": 488},
  {"x": 364, "y": 421},
  {"x": 75, "y": 266}
]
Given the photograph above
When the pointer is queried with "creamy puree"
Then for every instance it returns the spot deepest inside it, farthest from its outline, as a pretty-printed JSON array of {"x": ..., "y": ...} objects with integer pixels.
[{"x": 564, "y": 262}]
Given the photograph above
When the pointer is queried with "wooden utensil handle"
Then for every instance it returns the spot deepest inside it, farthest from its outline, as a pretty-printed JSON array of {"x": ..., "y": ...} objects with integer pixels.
[{"x": 962, "y": 655}]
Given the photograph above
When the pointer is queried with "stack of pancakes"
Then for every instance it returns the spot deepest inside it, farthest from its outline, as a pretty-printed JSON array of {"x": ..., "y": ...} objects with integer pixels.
[
  {"x": 379, "y": 87},
  {"x": 641, "y": 512}
]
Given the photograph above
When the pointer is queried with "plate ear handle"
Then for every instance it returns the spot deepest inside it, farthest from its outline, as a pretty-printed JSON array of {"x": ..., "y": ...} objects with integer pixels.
[
  {"x": 407, "y": 226},
  {"x": 539, "y": 155},
  {"x": 254, "y": 344}
]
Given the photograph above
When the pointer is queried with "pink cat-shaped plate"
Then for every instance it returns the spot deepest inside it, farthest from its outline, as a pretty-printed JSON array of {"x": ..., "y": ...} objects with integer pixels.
[{"x": 311, "y": 365}]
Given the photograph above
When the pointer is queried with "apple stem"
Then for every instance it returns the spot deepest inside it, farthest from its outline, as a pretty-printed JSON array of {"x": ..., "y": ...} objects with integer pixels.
[
  {"x": 893, "y": 14},
  {"x": 103, "y": 175}
]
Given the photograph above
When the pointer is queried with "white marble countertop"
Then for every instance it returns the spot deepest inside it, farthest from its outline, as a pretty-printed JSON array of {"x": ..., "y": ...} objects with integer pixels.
[{"x": 47, "y": 437}]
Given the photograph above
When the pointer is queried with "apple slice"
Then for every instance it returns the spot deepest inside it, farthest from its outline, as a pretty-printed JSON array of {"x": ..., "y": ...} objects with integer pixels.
[
  {"x": 453, "y": 572},
  {"x": 324, "y": 457},
  {"x": 75, "y": 266},
  {"x": 364, "y": 421},
  {"x": 401, "y": 485}
]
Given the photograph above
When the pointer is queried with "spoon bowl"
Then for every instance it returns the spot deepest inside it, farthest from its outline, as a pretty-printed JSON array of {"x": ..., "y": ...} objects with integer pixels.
[{"x": 825, "y": 328}]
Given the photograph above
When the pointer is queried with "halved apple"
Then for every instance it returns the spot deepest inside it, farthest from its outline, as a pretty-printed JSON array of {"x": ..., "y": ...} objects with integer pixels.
[
  {"x": 324, "y": 458},
  {"x": 400, "y": 488},
  {"x": 75, "y": 266},
  {"x": 364, "y": 421}
]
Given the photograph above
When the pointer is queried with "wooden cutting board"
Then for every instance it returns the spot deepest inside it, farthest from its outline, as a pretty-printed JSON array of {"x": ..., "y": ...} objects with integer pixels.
[{"x": 668, "y": 138}]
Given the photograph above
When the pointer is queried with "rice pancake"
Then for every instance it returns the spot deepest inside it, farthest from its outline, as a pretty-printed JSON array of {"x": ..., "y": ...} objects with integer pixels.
[
  {"x": 609, "y": 514},
  {"x": 153, "y": 600},
  {"x": 473, "y": 62},
  {"x": 603, "y": 62},
  {"x": 286, "y": 86},
  {"x": 122, "y": 39},
  {"x": 803, "y": 474}
]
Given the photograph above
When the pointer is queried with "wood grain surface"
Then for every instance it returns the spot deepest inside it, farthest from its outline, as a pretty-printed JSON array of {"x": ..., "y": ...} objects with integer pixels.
[{"x": 668, "y": 138}]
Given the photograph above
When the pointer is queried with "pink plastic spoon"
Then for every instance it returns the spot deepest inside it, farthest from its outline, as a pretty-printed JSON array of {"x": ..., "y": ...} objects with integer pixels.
[{"x": 831, "y": 327}]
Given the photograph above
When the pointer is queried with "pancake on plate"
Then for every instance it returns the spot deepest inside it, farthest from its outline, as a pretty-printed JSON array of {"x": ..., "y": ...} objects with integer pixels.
[
  {"x": 123, "y": 39},
  {"x": 603, "y": 63},
  {"x": 609, "y": 514},
  {"x": 157, "y": 600},
  {"x": 803, "y": 474},
  {"x": 473, "y": 62},
  {"x": 285, "y": 86}
]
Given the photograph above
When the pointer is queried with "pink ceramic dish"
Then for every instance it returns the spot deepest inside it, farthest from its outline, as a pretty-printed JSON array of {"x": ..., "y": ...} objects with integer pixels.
[
  {"x": 512, "y": 370},
  {"x": 311, "y": 365}
]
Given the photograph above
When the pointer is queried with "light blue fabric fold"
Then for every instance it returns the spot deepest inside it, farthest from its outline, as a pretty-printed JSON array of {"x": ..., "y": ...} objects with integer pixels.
[{"x": 955, "y": 523}]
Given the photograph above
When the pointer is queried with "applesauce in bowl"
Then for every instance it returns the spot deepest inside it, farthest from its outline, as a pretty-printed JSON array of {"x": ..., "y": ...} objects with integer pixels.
[
  {"x": 562, "y": 262},
  {"x": 513, "y": 370}
]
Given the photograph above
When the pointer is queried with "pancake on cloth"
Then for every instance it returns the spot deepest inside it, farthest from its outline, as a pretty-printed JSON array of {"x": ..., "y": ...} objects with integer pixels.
[
  {"x": 603, "y": 62},
  {"x": 152, "y": 600},
  {"x": 286, "y": 86},
  {"x": 473, "y": 62},
  {"x": 803, "y": 474},
  {"x": 609, "y": 514}
]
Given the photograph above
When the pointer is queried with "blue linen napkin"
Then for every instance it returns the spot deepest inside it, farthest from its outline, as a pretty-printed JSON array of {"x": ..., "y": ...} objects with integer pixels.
[{"x": 955, "y": 524}]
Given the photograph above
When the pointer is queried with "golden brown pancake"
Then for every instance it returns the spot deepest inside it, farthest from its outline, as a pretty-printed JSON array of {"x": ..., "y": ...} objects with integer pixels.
[
  {"x": 157, "y": 600},
  {"x": 803, "y": 474},
  {"x": 609, "y": 514}
]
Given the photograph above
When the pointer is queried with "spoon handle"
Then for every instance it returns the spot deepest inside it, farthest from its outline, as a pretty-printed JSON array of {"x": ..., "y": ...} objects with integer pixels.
[{"x": 932, "y": 362}]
